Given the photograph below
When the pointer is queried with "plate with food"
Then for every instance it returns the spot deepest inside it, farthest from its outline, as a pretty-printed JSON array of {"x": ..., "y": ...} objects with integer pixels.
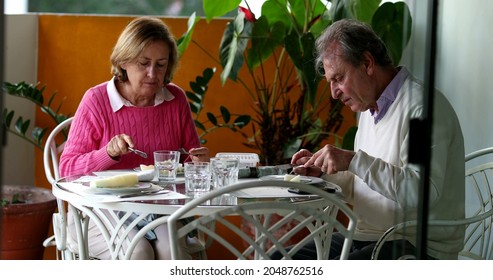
[
  {"x": 121, "y": 183},
  {"x": 294, "y": 178},
  {"x": 145, "y": 172},
  {"x": 141, "y": 186}
]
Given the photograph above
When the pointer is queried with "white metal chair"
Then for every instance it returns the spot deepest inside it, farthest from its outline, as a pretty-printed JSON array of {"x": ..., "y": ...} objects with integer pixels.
[
  {"x": 315, "y": 219},
  {"x": 478, "y": 243},
  {"x": 52, "y": 150}
]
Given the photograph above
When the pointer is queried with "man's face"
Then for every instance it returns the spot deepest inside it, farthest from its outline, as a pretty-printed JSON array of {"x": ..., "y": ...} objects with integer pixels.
[{"x": 351, "y": 84}]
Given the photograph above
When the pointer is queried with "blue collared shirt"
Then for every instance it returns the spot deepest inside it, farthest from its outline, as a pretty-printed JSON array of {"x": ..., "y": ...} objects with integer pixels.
[{"x": 389, "y": 95}]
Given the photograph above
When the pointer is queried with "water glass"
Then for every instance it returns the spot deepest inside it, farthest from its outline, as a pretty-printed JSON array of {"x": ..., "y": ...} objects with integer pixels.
[
  {"x": 197, "y": 177},
  {"x": 166, "y": 162},
  {"x": 224, "y": 171}
]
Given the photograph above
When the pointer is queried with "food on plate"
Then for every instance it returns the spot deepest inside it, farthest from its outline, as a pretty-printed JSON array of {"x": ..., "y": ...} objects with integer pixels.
[
  {"x": 289, "y": 177},
  {"x": 296, "y": 179},
  {"x": 146, "y": 174},
  {"x": 179, "y": 168},
  {"x": 117, "y": 181},
  {"x": 146, "y": 167},
  {"x": 292, "y": 178}
]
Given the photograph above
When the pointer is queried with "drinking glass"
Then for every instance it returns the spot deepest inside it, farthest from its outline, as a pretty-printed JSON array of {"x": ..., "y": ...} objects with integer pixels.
[
  {"x": 197, "y": 176},
  {"x": 166, "y": 163},
  {"x": 224, "y": 171}
]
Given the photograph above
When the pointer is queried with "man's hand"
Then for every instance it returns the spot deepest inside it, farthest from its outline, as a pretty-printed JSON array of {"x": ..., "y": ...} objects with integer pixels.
[
  {"x": 330, "y": 159},
  {"x": 299, "y": 159}
]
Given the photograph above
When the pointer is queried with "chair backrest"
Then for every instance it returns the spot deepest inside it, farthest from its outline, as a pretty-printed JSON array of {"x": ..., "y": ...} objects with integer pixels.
[
  {"x": 276, "y": 222},
  {"x": 52, "y": 151},
  {"x": 478, "y": 239},
  {"x": 478, "y": 242}
]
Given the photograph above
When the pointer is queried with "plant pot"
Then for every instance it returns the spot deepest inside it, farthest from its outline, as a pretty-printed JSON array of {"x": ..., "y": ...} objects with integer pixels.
[{"x": 25, "y": 226}]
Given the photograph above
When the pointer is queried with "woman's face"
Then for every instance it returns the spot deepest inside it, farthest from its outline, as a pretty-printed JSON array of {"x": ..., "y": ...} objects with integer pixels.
[{"x": 146, "y": 73}]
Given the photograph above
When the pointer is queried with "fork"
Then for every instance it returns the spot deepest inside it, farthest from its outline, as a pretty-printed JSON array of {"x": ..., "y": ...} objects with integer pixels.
[
  {"x": 293, "y": 166},
  {"x": 184, "y": 152}
]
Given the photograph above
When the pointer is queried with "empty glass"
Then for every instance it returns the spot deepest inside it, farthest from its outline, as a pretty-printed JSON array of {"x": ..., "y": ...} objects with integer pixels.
[
  {"x": 224, "y": 171},
  {"x": 197, "y": 176},
  {"x": 166, "y": 163}
]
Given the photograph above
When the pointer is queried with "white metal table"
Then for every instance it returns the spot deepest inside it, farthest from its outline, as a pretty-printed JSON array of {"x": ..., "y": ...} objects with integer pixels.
[{"x": 117, "y": 218}]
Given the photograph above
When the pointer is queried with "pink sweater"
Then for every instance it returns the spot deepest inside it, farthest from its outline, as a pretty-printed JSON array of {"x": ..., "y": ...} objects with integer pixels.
[{"x": 168, "y": 126}]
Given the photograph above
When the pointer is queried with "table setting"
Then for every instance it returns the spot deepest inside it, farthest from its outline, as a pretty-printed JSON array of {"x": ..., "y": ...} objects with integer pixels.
[
  {"x": 169, "y": 180},
  {"x": 141, "y": 186}
]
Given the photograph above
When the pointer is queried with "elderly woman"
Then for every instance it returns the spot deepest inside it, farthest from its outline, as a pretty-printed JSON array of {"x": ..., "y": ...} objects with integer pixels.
[{"x": 139, "y": 107}]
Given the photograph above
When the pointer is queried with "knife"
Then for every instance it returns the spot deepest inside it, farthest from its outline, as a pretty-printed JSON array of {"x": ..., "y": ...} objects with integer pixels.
[
  {"x": 144, "y": 193},
  {"x": 285, "y": 168},
  {"x": 138, "y": 152}
]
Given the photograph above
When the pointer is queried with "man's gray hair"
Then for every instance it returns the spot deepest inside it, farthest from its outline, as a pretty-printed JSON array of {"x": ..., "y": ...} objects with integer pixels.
[{"x": 351, "y": 38}]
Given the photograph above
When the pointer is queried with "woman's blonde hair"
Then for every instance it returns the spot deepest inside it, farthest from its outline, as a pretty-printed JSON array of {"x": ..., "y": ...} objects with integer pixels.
[{"x": 138, "y": 34}]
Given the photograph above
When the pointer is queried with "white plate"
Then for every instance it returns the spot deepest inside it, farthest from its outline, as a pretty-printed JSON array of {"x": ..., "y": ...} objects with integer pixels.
[
  {"x": 138, "y": 187},
  {"x": 303, "y": 179}
]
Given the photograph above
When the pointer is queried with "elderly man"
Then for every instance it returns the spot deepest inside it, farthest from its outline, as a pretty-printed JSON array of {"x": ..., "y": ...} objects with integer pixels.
[{"x": 377, "y": 178}]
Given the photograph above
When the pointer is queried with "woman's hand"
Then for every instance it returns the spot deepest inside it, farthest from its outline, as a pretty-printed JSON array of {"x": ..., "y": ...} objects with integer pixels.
[
  {"x": 118, "y": 146},
  {"x": 199, "y": 154}
]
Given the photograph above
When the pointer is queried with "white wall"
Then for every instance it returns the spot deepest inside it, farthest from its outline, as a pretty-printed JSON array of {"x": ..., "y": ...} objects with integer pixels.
[
  {"x": 464, "y": 66},
  {"x": 464, "y": 59},
  {"x": 20, "y": 65}
]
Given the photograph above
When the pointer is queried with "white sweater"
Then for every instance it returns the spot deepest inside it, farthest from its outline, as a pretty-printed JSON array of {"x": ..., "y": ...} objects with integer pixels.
[{"x": 385, "y": 189}]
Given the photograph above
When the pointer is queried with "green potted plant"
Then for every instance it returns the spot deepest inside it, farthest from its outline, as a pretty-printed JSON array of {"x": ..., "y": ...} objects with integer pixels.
[
  {"x": 291, "y": 110},
  {"x": 27, "y": 210},
  {"x": 225, "y": 119}
]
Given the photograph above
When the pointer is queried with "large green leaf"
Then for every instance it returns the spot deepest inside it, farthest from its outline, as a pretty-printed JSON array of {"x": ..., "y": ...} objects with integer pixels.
[
  {"x": 301, "y": 12},
  {"x": 276, "y": 11},
  {"x": 340, "y": 10},
  {"x": 301, "y": 50},
  {"x": 185, "y": 39},
  {"x": 265, "y": 39},
  {"x": 393, "y": 23},
  {"x": 233, "y": 44},
  {"x": 363, "y": 10},
  {"x": 217, "y": 8}
]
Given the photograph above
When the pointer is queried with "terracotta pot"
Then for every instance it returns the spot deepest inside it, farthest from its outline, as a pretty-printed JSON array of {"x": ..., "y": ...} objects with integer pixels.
[{"x": 25, "y": 226}]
